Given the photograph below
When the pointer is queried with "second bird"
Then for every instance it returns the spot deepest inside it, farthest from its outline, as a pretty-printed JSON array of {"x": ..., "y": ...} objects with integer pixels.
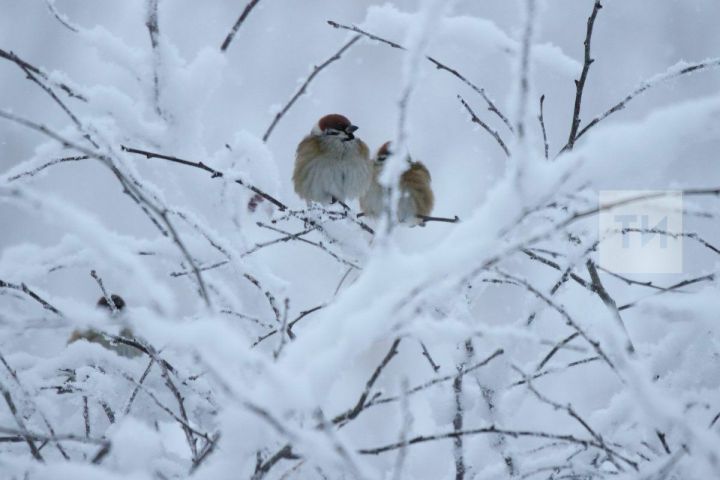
[
  {"x": 331, "y": 164},
  {"x": 416, "y": 195}
]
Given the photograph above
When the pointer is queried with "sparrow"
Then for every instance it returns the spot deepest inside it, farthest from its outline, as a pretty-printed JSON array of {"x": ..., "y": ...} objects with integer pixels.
[
  {"x": 331, "y": 164},
  {"x": 94, "y": 336},
  {"x": 416, "y": 195}
]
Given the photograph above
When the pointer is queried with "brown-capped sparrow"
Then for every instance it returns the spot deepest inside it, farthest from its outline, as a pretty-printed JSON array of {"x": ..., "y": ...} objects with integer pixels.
[
  {"x": 331, "y": 164},
  {"x": 416, "y": 195},
  {"x": 95, "y": 336}
]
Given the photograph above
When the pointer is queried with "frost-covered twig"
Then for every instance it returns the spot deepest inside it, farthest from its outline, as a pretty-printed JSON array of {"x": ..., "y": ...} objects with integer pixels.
[
  {"x": 580, "y": 83},
  {"x": 108, "y": 298},
  {"x": 29, "y": 439},
  {"x": 231, "y": 34},
  {"x": 42, "y": 167},
  {"x": 27, "y": 291},
  {"x": 485, "y": 126},
  {"x": 151, "y": 22},
  {"x": 524, "y": 70},
  {"x": 59, "y": 17},
  {"x": 305, "y": 84},
  {"x": 25, "y": 66},
  {"x": 284, "y": 333},
  {"x": 439, "y": 65},
  {"x": 29, "y": 398},
  {"x": 407, "y": 420}
]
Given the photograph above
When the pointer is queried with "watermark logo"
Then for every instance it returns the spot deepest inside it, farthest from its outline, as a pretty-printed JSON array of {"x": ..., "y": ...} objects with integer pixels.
[{"x": 641, "y": 231}]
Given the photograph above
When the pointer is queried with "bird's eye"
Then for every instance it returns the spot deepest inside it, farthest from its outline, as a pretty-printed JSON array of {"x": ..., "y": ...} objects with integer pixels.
[{"x": 331, "y": 131}]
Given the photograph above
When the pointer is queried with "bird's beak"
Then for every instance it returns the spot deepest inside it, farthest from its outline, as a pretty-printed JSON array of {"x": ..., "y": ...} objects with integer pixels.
[{"x": 349, "y": 132}]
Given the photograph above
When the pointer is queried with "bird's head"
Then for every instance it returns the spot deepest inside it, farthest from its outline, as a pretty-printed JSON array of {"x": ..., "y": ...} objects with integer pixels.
[{"x": 335, "y": 125}]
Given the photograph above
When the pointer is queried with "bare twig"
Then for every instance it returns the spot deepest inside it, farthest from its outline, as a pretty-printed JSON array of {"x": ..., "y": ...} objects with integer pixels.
[
  {"x": 361, "y": 403},
  {"x": 479, "y": 431},
  {"x": 213, "y": 173},
  {"x": 144, "y": 375},
  {"x": 556, "y": 349},
  {"x": 580, "y": 83},
  {"x": 609, "y": 303},
  {"x": 429, "y": 358},
  {"x": 541, "y": 119},
  {"x": 440, "y": 66},
  {"x": 672, "y": 73},
  {"x": 303, "y": 87},
  {"x": 231, "y": 34},
  {"x": 485, "y": 126},
  {"x": 426, "y": 219}
]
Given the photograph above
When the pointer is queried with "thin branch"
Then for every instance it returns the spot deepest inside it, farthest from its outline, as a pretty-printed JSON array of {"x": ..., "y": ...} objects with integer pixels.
[
  {"x": 29, "y": 398},
  {"x": 108, "y": 298},
  {"x": 609, "y": 303},
  {"x": 151, "y": 22},
  {"x": 27, "y": 291},
  {"x": 426, "y": 218},
  {"x": 213, "y": 173},
  {"x": 36, "y": 170},
  {"x": 303, "y": 87},
  {"x": 673, "y": 72},
  {"x": 59, "y": 17},
  {"x": 479, "y": 431},
  {"x": 246, "y": 11},
  {"x": 485, "y": 126},
  {"x": 580, "y": 84},
  {"x": 563, "y": 313},
  {"x": 440, "y": 66},
  {"x": 541, "y": 119},
  {"x": 526, "y": 47},
  {"x": 27, "y": 66},
  {"x": 29, "y": 439},
  {"x": 361, "y": 403},
  {"x": 144, "y": 375},
  {"x": 429, "y": 358},
  {"x": 562, "y": 343}
]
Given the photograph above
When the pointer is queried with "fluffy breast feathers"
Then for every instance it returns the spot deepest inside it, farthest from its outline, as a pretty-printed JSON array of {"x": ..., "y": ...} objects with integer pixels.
[{"x": 327, "y": 167}]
